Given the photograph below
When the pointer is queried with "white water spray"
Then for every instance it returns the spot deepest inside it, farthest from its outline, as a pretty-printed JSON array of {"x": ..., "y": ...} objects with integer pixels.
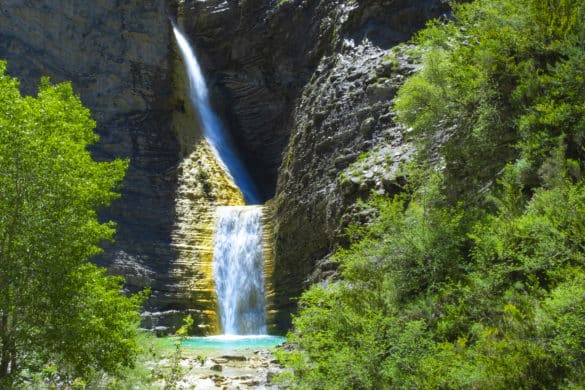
[
  {"x": 238, "y": 267},
  {"x": 211, "y": 124}
]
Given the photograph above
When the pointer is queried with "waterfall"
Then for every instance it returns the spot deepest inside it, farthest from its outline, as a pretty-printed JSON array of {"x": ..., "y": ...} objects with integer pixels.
[
  {"x": 213, "y": 129},
  {"x": 238, "y": 267},
  {"x": 238, "y": 251}
]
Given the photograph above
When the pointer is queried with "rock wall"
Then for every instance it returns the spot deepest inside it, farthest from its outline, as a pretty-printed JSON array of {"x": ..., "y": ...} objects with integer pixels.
[{"x": 344, "y": 111}]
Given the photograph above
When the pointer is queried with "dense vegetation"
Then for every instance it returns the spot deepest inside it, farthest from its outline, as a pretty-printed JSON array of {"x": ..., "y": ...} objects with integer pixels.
[
  {"x": 474, "y": 277},
  {"x": 62, "y": 320}
]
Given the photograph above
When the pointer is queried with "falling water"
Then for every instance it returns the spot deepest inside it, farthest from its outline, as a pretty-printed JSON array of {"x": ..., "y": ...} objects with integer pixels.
[
  {"x": 212, "y": 126},
  {"x": 238, "y": 261},
  {"x": 238, "y": 270}
]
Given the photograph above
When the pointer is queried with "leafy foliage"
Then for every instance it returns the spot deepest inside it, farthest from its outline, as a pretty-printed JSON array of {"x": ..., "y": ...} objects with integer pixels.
[
  {"x": 504, "y": 80},
  {"x": 474, "y": 277},
  {"x": 58, "y": 313},
  {"x": 431, "y": 299},
  {"x": 176, "y": 371}
]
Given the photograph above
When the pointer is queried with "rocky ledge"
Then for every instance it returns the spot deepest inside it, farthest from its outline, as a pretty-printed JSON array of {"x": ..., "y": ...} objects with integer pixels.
[{"x": 242, "y": 370}]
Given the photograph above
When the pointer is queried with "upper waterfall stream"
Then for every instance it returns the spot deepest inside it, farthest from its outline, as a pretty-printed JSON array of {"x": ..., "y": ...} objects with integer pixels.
[{"x": 213, "y": 130}]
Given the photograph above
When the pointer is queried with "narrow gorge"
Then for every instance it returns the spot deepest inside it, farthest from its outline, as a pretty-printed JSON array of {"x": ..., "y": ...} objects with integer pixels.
[
  {"x": 303, "y": 194},
  {"x": 299, "y": 89}
]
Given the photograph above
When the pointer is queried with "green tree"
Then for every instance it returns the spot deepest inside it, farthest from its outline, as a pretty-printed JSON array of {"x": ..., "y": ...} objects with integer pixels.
[
  {"x": 503, "y": 80},
  {"x": 370, "y": 329},
  {"x": 58, "y": 312}
]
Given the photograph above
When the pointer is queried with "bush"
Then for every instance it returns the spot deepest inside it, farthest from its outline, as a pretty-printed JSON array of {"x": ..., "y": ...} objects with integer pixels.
[{"x": 473, "y": 278}]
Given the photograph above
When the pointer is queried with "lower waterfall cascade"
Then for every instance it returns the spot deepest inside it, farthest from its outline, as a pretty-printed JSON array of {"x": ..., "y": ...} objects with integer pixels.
[{"x": 238, "y": 267}]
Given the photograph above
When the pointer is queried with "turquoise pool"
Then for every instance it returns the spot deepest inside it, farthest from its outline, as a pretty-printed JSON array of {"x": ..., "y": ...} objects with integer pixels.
[{"x": 233, "y": 342}]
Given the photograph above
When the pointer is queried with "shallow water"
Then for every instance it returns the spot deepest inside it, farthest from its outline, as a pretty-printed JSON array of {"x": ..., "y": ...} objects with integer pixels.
[
  {"x": 232, "y": 342},
  {"x": 227, "y": 362}
]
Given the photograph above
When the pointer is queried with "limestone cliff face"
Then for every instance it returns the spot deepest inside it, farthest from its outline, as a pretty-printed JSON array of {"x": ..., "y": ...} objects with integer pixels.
[
  {"x": 344, "y": 111},
  {"x": 303, "y": 86}
]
